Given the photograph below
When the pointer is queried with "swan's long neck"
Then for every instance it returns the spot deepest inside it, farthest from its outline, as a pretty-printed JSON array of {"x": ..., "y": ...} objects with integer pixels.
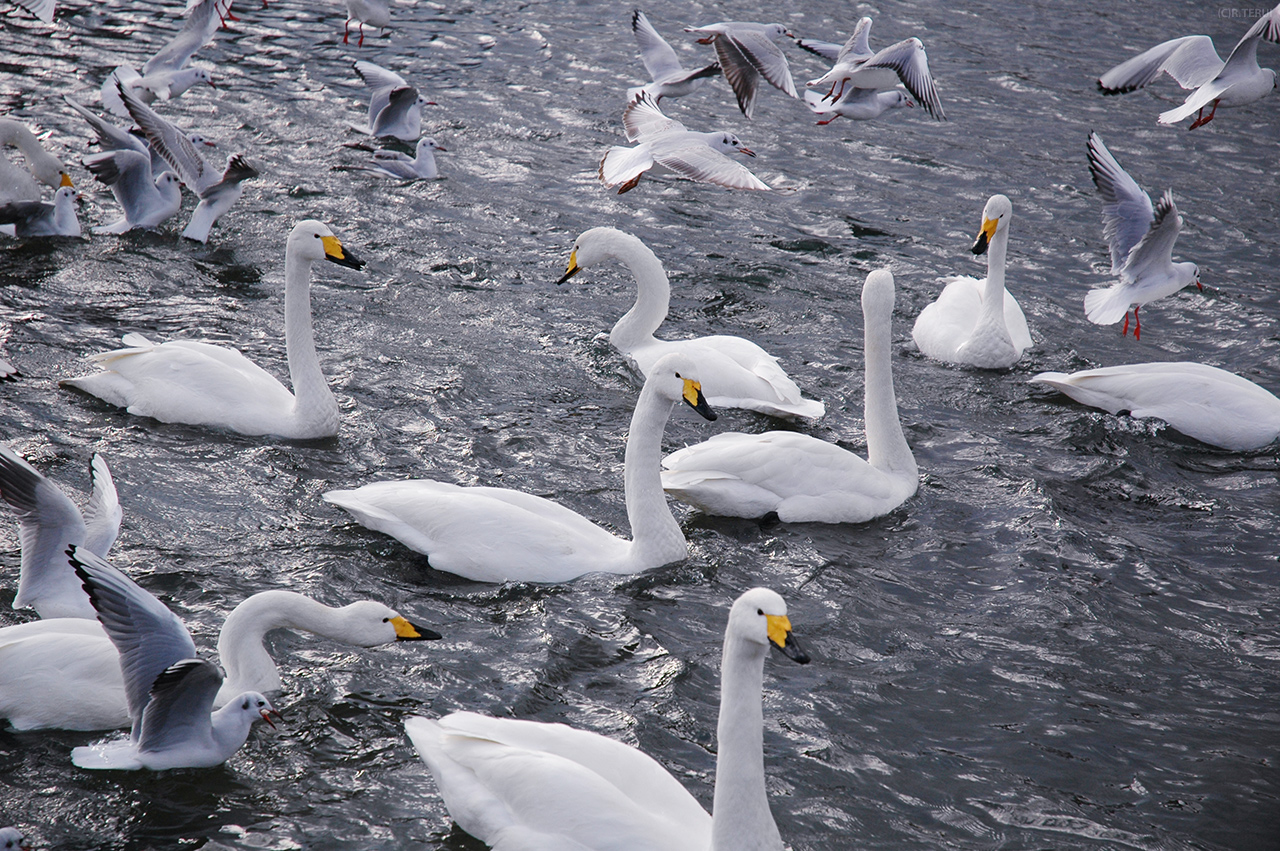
[
  {"x": 313, "y": 401},
  {"x": 887, "y": 448},
  {"x": 653, "y": 297},
  {"x": 992, "y": 315},
  {"x": 241, "y": 644},
  {"x": 656, "y": 537},
  {"x": 740, "y": 817}
]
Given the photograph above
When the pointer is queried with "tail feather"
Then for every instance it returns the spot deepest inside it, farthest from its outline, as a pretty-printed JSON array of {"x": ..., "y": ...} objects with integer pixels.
[{"x": 1106, "y": 306}]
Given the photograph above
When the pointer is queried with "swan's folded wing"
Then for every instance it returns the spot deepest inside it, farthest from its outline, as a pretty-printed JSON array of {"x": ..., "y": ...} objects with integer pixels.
[{"x": 1191, "y": 60}]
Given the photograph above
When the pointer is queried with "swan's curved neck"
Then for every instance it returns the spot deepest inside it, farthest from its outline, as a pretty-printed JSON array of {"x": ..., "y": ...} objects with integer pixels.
[
  {"x": 313, "y": 401},
  {"x": 241, "y": 646},
  {"x": 887, "y": 447},
  {"x": 993, "y": 294},
  {"x": 653, "y": 297},
  {"x": 655, "y": 534},
  {"x": 740, "y": 817}
]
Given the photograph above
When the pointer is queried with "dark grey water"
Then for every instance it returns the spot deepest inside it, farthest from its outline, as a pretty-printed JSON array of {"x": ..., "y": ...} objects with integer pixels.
[{"x": 1067, "y": 639}]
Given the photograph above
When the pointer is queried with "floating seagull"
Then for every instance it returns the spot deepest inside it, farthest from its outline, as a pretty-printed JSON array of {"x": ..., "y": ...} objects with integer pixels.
[
  {"x": 665, "y": 142},
  {"x": 12, "y": 839},
  {"x": 19, "y": 184},
  {"x": 375, "y": 13},
  {"x": 38, "y": 218},
  {"x": 170, "y": 691},
  {"x": 1194, "y": 63},
  {"x": 904, "y": 62},
  {"x": 660, "y": 60},
  {"x": 422, "y": 166},
  {"x": 168, "y": 74},
  {"x": 113, "y": 138},
  {"x": 747, "y": 52},
  {"x": 1210, "y": 404},
  {"x": 1141, "y": 242},
  {"x": 48, "y": 523},
  {"x": 217, "y": 192},
  {"x": 147, "y": 202},
  {"x": 395, "y": 107}
]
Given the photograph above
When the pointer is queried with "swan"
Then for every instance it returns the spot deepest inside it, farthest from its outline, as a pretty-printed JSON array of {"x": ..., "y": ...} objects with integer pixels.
[
  {"x": 183, "y": 381},
  {"x": 798, "y": 476},
  {"x": 19, "y": 184},
  {"x": 64, "y": 673},
  {"x": 737, "y": 372},
  {"x": 524, "y": 785},
  {"x": 499, "y": 535},
  {"x": 977, "y": 322},
  {"x": 48, "y": 523},
  {"x": 1210, "y": 404}
]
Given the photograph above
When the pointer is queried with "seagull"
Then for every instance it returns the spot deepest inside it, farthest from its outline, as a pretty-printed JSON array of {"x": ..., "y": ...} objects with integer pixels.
[
  {"x": 12, "y": 839},
  {"x": 1195, "y": 64},
  {"x": 170, "y": 691},
  {"x": 856, "y": 104},
  {"x": 147, "y": 202},
  {"x": 747, "y": 52},
  {"x": 1141, "y": 242},
  {"x": 904, "y": 62},
  {"x": 113, "y": 138},
  {"x": 660, "y": 60},
  {"x": 168, "y": 74},
  {"x": 665, "y": 142},
  {"x": 8, "y": 372},
  {"x": 38, "y": 218},
  {"x": 217, "y": 193},
  {"x": 375, "y": 13},
  {"x": 42, "y": 9},
  {"x": 395, "y": 107},
  {"x": 48, "y": 523},
  {"x": 421, "y": 166}
]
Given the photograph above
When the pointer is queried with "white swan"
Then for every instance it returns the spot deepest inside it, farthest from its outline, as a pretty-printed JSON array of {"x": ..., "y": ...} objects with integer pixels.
[
  {"x": 19, "y": 184},
  {"x": 183, "y": 381},
  {"x": 737, "y": 372},
  {"x": 500, "y": 535},
  {"x": 977, "y": 322},
  {"x": 64, "y": 673},
  {"x": 798, "y": 476},
  {"x": 48, "y": 523},
  {"x": 527, "y": 786},
  {"x": 1210, "y": 404}
]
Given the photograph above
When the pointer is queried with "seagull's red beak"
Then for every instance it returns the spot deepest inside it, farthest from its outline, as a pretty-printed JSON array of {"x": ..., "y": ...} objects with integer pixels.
[
  {"x": 747, "y": 151},
  {"x": 266, "y": 716}
]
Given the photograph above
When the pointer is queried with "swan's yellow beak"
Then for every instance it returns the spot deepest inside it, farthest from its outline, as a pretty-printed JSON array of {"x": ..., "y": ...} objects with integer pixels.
[
  {"x": 406, "y": 631},
  {"x": 694, "y": 399},
  {"x": 781, "y": 637},
  {"x": 335, "y": 253},
  {"x": 985, "y": 236},
  {"x": 574, "y": 268},
  {"x": 66, "y": 180}
]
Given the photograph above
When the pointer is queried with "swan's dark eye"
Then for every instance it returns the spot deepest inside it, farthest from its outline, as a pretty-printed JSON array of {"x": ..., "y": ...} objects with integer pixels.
[
  {"x": 759, "y": 611},
  {"x": 678, "y": 375},
  {"x": 386, "y": 620}
]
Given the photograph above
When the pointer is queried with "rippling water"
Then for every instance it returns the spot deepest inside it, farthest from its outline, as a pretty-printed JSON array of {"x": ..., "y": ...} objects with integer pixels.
[{"x": 1067, "y": 639}]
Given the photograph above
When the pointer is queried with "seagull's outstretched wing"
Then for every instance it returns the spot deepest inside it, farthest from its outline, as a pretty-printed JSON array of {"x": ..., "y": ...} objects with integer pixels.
[{"x": 1127, "y": 214}]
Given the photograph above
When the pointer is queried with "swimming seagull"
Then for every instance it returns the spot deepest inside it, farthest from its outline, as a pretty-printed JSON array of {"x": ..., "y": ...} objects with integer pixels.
[
  {"x": 1194, "y": 63},
  {"x": 375, "y": 13},
  {"x": 747, "y": 52},
  {"x": 421, "y": 166},
  {"x": 670, "y": 79},
  {"x": 904, "y": 62},
  {"x": 168, "y": 74},
  {"x": 1141, "y": 242},
  {"x": 666, "y": 142},
  {"x": 170, "y": 691},
  {"x": 38, "y": 218},
  {"x": 12, "y": 839},
  {"x": 217, "y": 193},
  {"x": 147, "y": 202},
  {"x": 395, "y": 107}
]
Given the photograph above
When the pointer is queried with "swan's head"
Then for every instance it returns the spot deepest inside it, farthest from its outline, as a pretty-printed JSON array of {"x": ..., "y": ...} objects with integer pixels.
[
  {"x": 312, "y": 240},
  {"x": 760, "y": 616},
  {"x": 995, "y": 217},
  {"x": 727, "y": 143},
  {"x": 877, "y": 294},
  {"x": 49, "y": 171},
  {"x": 367, "y": 623},
  {"x": 11, "y": 839},
  {"x": 254, "y": 705},
  {"x": 426, "y": 143},
  {"x": 599, "y": 244},
  {"x": 675, "y": 376}
]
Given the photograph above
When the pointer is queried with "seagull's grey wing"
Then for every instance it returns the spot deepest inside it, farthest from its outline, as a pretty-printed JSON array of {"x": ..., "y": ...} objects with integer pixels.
[
  {"x": 399, "y": 102},
  {"x": 698, "y": 162},
  {"x": 1246, "y": 50},
  {"x": 128, "y": 173},
  {"x": 858, "y": 45},
  {"x": 642, "y": 119},
  {"x": 767, "y": 57},
  {"x": 110, "y": 137},
  {"x": 48, "y": 522},
  {"x": 42, "y": 9},
  {"x": 381, "y": 83},
  {"x": 1127, "y": 213},
  {"x": 237, "y": 172},
  {"x": 659, "y": 58},
  {"x": 22, "y": 212},
  {"x": 172, "y": 145},
  {"x": 828, "y": 50},
  {"x": 181, "y": 698},
  {"x": 149, "y": 637},
  {"x": 1191, "y": 60},
  {"x": 203, "y": 20},
  {"x": 908, "y": 60},
  {"x": 1154, "y": 252},
  {"x": 739, "y": 72},
  {"x": 102, "y": 515}
]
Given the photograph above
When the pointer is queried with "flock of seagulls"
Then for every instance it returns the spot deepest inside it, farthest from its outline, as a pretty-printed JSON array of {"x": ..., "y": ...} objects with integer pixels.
[{"x": 106, "y": 654}]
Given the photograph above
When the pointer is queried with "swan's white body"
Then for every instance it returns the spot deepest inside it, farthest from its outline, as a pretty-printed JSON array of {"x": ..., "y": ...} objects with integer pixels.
[
  {"x": 977, "y": 322},
  {"x": 500, "y": 535},
  {"x": 64, "y": 673},
  {"x": 1201, "y": 401},
  {"x": 17, "y": 183},
  {"x": 735, "y": 372},
  {"x": 183, "y": 381},
  {"x": 798, "y": 476},
  {"x": 527, "y": 786}
]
